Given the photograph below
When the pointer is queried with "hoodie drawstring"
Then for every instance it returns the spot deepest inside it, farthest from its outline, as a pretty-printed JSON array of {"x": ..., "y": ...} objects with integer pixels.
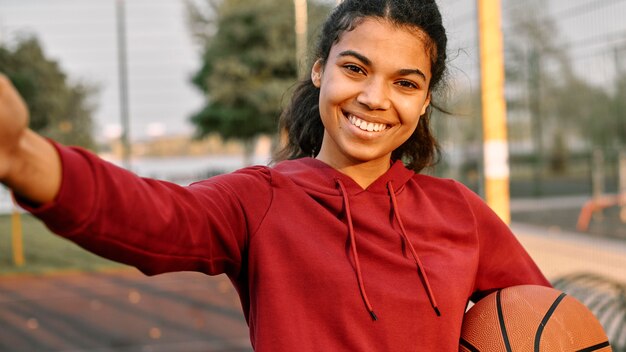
[
  {"x": 355, "y": 254},
  {"x": 416, "y": 258}
]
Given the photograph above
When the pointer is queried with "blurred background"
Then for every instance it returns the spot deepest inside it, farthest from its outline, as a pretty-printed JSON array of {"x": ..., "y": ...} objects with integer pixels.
[{"x": 185, "y": 89}]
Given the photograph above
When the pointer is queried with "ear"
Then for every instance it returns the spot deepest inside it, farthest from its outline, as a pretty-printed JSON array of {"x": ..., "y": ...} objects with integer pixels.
[
  {"x": 426, "y": 104},
  {"x": 316, "y": 73}
]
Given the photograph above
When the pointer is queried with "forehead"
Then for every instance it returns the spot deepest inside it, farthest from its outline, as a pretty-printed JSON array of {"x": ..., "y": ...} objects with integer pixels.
[{"x": 385, "y": 42}]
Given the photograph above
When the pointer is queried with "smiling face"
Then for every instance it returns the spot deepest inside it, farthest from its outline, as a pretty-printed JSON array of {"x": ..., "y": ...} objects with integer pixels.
[{"x": 373, "y": 90}]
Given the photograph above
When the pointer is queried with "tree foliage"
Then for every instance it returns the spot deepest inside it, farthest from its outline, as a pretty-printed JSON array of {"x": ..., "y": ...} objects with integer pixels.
[
  {"x": 248, "y": 63},
  {"x": 58, "y": 108},
  {"x": 564, "y": 104}
]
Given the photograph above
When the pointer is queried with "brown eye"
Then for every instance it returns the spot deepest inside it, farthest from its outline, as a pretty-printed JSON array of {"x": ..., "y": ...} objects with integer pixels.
[
  {"x": 354, "y": 68},
  {"x": 407, "y": 84}
]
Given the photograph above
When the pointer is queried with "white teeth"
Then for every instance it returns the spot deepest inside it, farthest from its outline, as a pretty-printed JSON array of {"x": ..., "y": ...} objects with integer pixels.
[{"x": 366, "y": 126}]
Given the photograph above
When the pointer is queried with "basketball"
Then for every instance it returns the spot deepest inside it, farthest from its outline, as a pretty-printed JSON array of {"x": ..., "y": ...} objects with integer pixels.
[{"x": 531, "y": 318}]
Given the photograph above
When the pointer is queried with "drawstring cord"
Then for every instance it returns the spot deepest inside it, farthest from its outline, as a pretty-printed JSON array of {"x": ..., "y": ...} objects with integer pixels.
[
  {"x": 416, "y": 258},
  {"x": 355, "y": 254}
]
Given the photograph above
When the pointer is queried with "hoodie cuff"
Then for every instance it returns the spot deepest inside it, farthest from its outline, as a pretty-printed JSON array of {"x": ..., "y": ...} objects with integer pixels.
[{"x": 73, "y": 204}]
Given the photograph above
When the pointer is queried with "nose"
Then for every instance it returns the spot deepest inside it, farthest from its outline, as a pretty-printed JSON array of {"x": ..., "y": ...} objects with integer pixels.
[{"x": 374, "y": 95}]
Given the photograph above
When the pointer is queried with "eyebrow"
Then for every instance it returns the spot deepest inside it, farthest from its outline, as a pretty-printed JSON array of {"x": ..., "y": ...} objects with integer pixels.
[
  {"x": 353, "y": 53},
  {"x": 368, "y": 62}
]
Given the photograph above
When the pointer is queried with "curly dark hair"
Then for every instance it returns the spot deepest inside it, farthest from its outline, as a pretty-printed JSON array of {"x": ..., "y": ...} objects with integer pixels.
[{"x": 300, "y": 122}]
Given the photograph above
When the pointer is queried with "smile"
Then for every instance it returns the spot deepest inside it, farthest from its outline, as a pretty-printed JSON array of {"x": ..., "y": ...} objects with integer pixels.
[{"x": 366, "y": 126}]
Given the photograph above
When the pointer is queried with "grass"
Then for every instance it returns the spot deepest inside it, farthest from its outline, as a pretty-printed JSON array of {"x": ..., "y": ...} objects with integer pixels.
[{"x": 45, "y": 252}]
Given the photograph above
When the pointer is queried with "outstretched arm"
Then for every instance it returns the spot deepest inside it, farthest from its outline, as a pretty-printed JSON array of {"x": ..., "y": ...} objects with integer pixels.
[
  {"x": 154, "y": 225},
  {"x": 29, "y": 164}
]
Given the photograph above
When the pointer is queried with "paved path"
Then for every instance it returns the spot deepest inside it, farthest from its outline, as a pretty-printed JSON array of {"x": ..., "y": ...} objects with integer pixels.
[
  {"x": 121, "y": 311},
  {"x": 560, "y": 253}
]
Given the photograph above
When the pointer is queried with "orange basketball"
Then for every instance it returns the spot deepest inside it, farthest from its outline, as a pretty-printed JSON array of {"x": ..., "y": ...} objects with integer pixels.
[{"x": 531, "y": 318}]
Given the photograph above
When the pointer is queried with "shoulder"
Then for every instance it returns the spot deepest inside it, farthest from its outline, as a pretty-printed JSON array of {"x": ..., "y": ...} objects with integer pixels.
[
  {"x": 246, "y": 192},
  {"x": 251, "y": 187},
  {"x": 253, "y": 176},
  {"x": 443, "y": 187},
  {"x": 450, "y": 194}
]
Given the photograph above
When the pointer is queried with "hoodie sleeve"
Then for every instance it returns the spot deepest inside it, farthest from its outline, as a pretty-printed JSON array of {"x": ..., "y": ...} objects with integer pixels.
[
  {"x": 502, "y": 261},
  {"x": 154, "y": 225}
]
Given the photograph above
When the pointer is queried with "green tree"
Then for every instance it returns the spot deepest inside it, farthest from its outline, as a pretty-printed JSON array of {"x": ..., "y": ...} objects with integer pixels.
[
  {"x": 58, "y": 108},
  {"x": 562, "y": 105},
  {"x": 537, "y": 69},
  {"x": 589, "y": 107},
  {"x": 248, "y": 64}
]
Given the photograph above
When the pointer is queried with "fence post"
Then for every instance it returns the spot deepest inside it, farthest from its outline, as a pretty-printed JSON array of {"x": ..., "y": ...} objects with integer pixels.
[
  {"x": 16, "y": 237},
  {"x": 597, "y": 178},
  {"x": 622, "y": 185}
]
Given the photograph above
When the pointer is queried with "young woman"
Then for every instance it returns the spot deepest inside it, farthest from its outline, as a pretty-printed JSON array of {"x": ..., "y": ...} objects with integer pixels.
[{"x": 342, "y": 247}]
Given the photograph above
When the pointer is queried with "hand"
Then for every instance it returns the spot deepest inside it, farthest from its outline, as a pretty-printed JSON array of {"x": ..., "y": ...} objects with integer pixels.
[{"x": 13, "y": 124}]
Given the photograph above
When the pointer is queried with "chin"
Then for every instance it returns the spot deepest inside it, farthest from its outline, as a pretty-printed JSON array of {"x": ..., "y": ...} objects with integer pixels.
[{"x": 361, "y": 157}]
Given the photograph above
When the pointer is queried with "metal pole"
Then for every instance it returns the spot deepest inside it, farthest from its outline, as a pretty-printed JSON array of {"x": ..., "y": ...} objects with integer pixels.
[
  {"x": 597, "y": 173},
  {"x": 534, "y": 88},
  {"x": 496, "y": 151},
  {"x": 17, "y": 237},
  {"x": 123, "y": 82},
  {"x": 301, "y": 35},
  {"x": 618, "y": 62},
  {"x": 597, "y": 179},
  {"x": 622, "y": 185}
]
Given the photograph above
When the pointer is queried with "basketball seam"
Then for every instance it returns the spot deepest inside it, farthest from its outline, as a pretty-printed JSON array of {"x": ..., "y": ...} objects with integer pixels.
[
  {"x": 545, "y": 319},
  {"x": 595, "y": 347},
  {"x": 469, "y": 346},
  {"x": 505, "y": 336}
]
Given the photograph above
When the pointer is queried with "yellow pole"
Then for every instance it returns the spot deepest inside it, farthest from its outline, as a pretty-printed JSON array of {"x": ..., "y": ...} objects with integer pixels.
[
  {"x": 496, "y": 151},
  {"x": 301, "y": 16},
  {"x": 16, "y": 237}
]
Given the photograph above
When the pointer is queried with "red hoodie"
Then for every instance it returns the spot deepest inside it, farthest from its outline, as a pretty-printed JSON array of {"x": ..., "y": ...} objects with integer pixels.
[{"x": 320, "y": 264}]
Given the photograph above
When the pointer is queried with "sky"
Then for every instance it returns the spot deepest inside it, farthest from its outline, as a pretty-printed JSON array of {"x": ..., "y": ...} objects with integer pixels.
[
  {"x": 162, "y": 56},
  {"x": 82, "y": 36}
]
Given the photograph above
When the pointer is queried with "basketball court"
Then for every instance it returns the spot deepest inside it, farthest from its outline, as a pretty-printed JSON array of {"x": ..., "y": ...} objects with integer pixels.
[
  {"x": 560, "y": 253},
  {"x": 120, "y": 311}
]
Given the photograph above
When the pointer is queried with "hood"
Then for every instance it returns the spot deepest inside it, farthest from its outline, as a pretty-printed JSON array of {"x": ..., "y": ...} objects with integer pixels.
[{"x": 315, "y": 176}]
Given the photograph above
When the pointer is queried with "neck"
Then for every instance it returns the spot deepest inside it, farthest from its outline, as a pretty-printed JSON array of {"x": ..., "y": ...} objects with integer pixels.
[{"x": 363, "y": 173}]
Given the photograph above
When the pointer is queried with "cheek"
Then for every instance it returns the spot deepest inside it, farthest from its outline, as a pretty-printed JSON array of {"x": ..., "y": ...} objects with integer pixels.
[
  {"x": 335, "y": 89},
  {"x": 326, "y": 107},
  {"x": 413, "y": 127},
  {"x": 323, "y": 106},
  {"x": 411, "y": 112}
]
